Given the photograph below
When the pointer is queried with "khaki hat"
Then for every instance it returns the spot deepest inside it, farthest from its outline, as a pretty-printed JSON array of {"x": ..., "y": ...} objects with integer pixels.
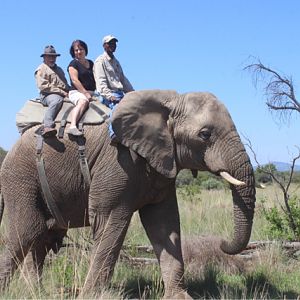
[
  {"x": 108, "y": 38},
  {"x": 49, "y": 50}
]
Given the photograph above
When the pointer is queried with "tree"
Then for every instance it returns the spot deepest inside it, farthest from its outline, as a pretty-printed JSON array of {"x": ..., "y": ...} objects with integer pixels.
[
  {"x": 288, "y": 219},
  {"x": 280, "y": 98},
  {"x": 262, "y": 173},
  {"x": 279, "y": 89}
]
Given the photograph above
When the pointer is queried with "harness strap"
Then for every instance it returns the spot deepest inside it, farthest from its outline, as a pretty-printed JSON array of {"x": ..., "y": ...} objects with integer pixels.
[
  {"x": 47, "y": 193},
  {"x": 39, "y": 144},
  {"x": 44, "y": 183},
  {"x": 100, "y": 112},
  {"x": 84, "y": 167},
  {"x": 63, "y": 122}
]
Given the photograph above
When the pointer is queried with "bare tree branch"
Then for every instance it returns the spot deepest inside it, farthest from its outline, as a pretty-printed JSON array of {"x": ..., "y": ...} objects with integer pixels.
[
  {"x": 278, "y": 89},
  {"x": 283, "y": 186}
]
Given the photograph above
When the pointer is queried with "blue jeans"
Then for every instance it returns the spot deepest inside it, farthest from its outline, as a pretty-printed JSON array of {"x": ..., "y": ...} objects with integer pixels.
[
  {"x": 54, "y": 103},
  {"x": 112, "y": 105}
]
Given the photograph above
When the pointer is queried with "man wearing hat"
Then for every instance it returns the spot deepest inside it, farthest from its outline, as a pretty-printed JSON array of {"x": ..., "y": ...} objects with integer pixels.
[
  {"x": 53, "y": 86},
  {"x": 111, "y": 82}
]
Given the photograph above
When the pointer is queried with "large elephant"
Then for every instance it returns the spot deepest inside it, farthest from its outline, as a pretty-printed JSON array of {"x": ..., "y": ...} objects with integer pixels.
[{"x": 161, "y": 133}]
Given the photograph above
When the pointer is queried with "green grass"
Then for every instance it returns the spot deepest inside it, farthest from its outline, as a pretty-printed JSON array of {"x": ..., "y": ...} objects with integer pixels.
[{"x": 271, "y": 275}]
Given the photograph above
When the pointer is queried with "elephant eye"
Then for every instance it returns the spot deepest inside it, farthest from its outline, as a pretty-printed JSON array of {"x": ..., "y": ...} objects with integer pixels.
[{"x": 205, "y": 134}]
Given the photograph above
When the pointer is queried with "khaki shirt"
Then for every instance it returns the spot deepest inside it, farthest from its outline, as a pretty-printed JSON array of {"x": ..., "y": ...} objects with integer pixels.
[
  {"x": 51, "y": 80},
  {"x": 109, "y": 76}
]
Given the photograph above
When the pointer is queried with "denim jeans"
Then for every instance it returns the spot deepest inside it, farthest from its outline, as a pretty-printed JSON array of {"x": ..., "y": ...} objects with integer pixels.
[
  {"x": 54, "y": 103},
  {"x": 112, "y": 105}
]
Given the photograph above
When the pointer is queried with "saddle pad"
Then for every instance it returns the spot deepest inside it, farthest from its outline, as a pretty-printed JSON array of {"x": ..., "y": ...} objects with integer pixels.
[{"x": 32, "y": 113}]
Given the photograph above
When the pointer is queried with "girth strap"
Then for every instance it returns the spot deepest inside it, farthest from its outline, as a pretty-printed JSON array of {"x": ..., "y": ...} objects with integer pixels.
[
  {"x": 44, "y": 183},
  {"x": 84, "y": 167},
  {"x": 47, "y": 193},
  {"x": 101, "y": 113},
  {"x": 39, "y": 143},
  {"x": 63, "y": 122}
]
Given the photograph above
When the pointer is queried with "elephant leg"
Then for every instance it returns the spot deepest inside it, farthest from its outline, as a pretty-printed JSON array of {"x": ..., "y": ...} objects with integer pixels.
[
  {"x": 161, "y": 222},
  {"x": 108, "y": 234},
  {"x": 8, "y": 265},
  {"x": 34, "y": 262},
  {"x": 25, "y": 227}
]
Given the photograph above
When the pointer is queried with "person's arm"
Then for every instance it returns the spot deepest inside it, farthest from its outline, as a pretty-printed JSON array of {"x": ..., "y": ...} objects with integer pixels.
[
  {"x": 76, "y": 82},
  {"x": 45, "y": 86},
  {"x": 127, "y": 87},
  {"x": 42, "y": 82},
  {"x": 101, "y": 80}
]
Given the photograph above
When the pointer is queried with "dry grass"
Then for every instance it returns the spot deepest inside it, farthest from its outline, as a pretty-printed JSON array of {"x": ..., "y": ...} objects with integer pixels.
[{"x": 210, "y": 273}]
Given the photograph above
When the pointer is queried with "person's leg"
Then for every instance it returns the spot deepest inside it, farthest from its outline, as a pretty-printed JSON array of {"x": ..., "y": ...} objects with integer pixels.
[
  {"x": 112, "y": 106},
  {"x": 81, "y": 104},
  {"x": 54, "y": 103},
  {"x": 118, "y": 96},
  {"x": 110, "y": 129},
  {"x": 78, "y": 111}
]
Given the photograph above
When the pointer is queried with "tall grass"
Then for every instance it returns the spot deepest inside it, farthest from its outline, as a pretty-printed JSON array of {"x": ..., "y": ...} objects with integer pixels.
[{"x": 272, "y": 274}]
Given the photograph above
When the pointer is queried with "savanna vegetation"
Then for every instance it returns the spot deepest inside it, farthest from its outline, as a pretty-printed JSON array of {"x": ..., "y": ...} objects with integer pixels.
[{"x": 206, "y": 207}]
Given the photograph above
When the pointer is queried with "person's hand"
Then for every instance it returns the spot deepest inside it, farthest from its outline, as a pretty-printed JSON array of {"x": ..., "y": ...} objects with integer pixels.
[
  {"x": 88, "y": 96},
  {"x": 113, "y": 99}
]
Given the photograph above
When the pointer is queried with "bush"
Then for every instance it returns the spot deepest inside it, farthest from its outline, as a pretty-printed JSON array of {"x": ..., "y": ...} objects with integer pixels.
[
  {"x": 212, "y": 184},
  {"x": 279, "y": 224},
  {"x": 204, "y": 180},
  {"x": 296, "y": 177},
  {"x": 184, "y": 177}
]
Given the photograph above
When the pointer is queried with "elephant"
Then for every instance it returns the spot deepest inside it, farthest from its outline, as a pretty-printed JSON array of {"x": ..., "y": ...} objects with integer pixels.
[{"x": 160, "y": 133}]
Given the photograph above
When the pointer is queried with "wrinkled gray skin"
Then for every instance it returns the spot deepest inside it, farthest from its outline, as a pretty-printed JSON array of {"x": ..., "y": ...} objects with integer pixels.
[{"x": 170, "y": 132}]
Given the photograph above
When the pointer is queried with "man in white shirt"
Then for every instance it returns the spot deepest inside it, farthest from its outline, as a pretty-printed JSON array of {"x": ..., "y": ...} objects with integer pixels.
[{"x": 111, "y": 82}]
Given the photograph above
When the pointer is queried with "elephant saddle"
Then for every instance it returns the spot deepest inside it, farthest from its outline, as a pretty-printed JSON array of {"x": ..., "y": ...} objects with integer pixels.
[{"x": 33, "y": 113}]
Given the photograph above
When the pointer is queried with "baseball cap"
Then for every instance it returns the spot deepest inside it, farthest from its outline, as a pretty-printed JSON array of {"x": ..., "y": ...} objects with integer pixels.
[{"x": 108, "y": 38}]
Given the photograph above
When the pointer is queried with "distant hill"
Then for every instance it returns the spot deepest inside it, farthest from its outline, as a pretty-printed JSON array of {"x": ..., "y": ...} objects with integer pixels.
[{"x": 283, "y": 167}]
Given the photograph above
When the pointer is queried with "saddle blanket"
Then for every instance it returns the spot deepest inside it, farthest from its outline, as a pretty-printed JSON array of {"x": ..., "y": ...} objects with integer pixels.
[{"x": 32, "y": 113}]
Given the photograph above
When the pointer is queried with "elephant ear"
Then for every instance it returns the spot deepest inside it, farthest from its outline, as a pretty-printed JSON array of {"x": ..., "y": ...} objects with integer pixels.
[{"x": 140, "y": 123}]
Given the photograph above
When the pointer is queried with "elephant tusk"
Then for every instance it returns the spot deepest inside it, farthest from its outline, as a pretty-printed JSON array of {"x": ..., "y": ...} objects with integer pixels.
[{"x": 231, "y": 179}]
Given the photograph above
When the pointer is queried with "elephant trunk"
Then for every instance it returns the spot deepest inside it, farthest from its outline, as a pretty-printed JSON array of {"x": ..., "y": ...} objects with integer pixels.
[{"x": 243, "y": 205}]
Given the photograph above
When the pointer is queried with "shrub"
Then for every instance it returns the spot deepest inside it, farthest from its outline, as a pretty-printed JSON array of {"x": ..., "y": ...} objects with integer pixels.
[
  {"x": 212, "y": 184},
  {"x": 279, "y": 222},
  {"x": 184, "y": 177}
]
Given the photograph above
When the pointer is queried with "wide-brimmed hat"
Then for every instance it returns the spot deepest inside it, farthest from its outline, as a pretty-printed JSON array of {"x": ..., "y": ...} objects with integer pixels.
[
  {"x": 49, "y": 50},
  {"x": 108, "y": 38}
]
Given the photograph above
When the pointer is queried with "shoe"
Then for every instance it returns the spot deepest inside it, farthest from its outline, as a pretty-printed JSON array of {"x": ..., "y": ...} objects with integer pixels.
[
  {"x": 114, "y": 140},
  {"x": 48, "y": 132},
  {"x": 74, "y": 131}
]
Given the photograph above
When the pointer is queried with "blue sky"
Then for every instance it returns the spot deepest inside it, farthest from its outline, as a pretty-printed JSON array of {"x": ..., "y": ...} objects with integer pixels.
[{"x": 191, "y": 45}]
